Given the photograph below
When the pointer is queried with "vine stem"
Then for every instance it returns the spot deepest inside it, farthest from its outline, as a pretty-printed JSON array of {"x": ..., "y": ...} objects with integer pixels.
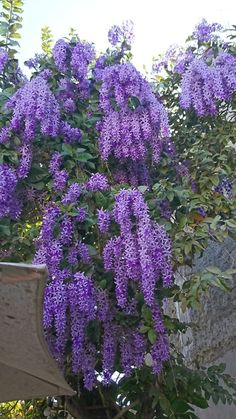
[
  {"x": 126, "y": 409},
  {"x": 9, "y": 21}
]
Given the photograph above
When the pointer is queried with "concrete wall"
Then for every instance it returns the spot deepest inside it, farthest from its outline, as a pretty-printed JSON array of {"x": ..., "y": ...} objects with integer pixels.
[{"x": 213, "y": 336}]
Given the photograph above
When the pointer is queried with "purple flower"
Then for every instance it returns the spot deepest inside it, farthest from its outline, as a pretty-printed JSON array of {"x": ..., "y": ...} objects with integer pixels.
[
  {"x": 81, "y": 214},
  {"x": 3, "y": 59},
  {"x": 70, "y": 134},
  {"x": 225, "y": 187},
  {"x": 33, "y": 62},
  {"x": 160, "y": 353},
  {"x": 205, "y": 32},
  {"x": 141, "y": 253},
  {"x": 55, "y": 163},
  {"x": 82, "y": 294},
  {"x": 104, "y": 219},
  {"x": 201, "y": 212},
  {"x": 61, "y": 53},
  {"x": 72, "y": 195},
  {"x": 118, "y": 34},
  {"x": 50, "y": 218},
  {"x": 25, "y": 161},
  {"x": 66, "y": 230},
  {"x": 55, "y": 308},
  {"x": 83, "y": 251},
  {"x": 109, "y": 348},
  {"x": 99, "y": 66},
  {"x": 115, "y": 35},
  {"x": 5, "y": 135},
  {"x": 69, "y": 105},
  {"x": 203, "y": 85},
  {"x": 131, "y": 126},
  {"x": 34, "y": 105},
  {"x": 60, "y": 180},
  {"x": 182, "y": 62},
  {"x": 97, "y": 182},
  {"x": 10, "y": 205},
  {"x": 82, "y": 55}
]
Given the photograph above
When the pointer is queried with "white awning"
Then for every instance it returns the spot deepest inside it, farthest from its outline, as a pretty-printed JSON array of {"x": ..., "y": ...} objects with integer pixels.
[{"x": 27, "y": 369}]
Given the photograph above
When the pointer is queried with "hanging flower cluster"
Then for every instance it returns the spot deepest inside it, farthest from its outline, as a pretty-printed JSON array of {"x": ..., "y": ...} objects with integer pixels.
[
  {"x": 134, "y": 120},
  {"x": 205, "y": 32},
  {"x": 142, "y": 252},
  {"x": 10, "y": 204},
  {"x": 118, "y": 34},
  {"x": 97, "y": 182},
  {"x": 3, "y": 59},
  {"x": 225, "y": 187},
  {"x": 34, "y": 105},
  {"x": 204, "y": 85}
]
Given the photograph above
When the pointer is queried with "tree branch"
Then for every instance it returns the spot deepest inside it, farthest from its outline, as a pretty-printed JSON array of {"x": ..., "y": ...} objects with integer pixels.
[
  {"x": 74, "y": 408},
  {"x": 126, "y": 409}
]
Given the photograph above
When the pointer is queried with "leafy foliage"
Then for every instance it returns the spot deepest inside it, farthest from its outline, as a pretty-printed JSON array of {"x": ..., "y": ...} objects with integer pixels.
[{"x": 101, "y": 212}]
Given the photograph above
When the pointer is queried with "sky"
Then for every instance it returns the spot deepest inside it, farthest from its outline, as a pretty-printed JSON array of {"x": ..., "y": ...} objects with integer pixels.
[{"x": 157, "y": 23}]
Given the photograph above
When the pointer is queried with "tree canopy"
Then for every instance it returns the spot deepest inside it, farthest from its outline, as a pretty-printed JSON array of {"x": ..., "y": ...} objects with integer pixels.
[{"x": 116, "y": 180}]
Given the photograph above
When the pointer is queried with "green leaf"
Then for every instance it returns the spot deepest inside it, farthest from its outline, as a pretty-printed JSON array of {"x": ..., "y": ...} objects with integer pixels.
[
  {"x": 152, "y": 336},
  {"x": 147, "y": 315},
  {"x": 199, "y": 401},
  {"x": 231, "y": 223},
  {"x": 165, "y": 404},
  {"x": 213, "y": 270},
  {"x": 103, "y": 284},
  {"x": 180, "y": 406},
  {"x": 39, "y": 186},
  {"x": 144, "y": 329},
  {"x": 84, "y": 157}
]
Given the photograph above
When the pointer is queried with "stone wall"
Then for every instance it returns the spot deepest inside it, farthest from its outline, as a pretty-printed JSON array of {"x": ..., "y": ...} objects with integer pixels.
[{"x": 213, "y": 335}]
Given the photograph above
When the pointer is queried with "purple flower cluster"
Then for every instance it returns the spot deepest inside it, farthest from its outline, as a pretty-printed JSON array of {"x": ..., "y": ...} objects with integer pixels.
[
  {"x": 224, "y": 76},
  {"x": 5, "y": 135},
  {"x": 61, "y": 55},
  {"x": 81, "y": 214},
  {"x": 118, "y": 34},
  {"x": 182, "y": 61},
  {"x": 133, "y": 117},
  {"x": 97, "y": 182},
  {"x": 170, "y": 56},
  {"x": 34, "y": 104},
  {"x": 3, "y": 59},
  {"x": 33, "y": 107},
  {"x": 34, "y": 62},
  {"x": 197, "y": 88},
  {"x": 205, "y": 32},
  {"x": 99, "y": 66},
  {"x": 203, "y": 85},
  {"x": 25, "y": 161},
  {"x": 55, "y": 163},
  {"x": 141, "y": 253},
  {"x": 72, "y": 195},
  {"x": 72, "y": 300},
  {"x": 104, "y": 219},
  {"x": 69, "y": 133},
  {"x": 60, "y": 177},
  {"x": 10, "y": 205},
  {"x": 76, "y": 60},
  {"x": 225, "y": 187},
  {"x": 160, "y": 350},
  {"x": 82, "y": 55}
]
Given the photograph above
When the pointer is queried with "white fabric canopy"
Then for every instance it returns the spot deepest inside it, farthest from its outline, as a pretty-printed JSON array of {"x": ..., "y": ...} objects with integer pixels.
[{"x": 27, "y": 369}]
